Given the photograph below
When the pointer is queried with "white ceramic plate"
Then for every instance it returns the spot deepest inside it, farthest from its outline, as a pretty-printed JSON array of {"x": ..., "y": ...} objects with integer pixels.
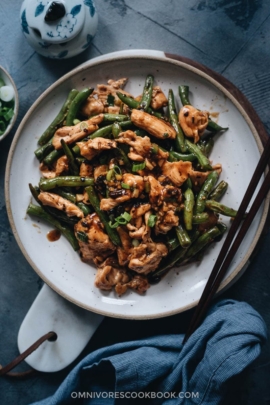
[{"x": 56, "y": 263}]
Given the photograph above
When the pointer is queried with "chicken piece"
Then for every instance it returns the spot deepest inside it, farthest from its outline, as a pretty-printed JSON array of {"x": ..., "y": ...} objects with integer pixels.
[
  {"x": 100, "y": 171},
  {"x": 60, "y": 203},
  {"x": 123, "y": 251},
  {"x": 107, "y": 204},
  {"x": 113, "y": 86},
  {"x": 94, "y": 146},
  {"x": 138, "y": 211},
  {"x": 159, "y": 99},
  {"x": 92, "y": 106},
  {"x": 177, "y": 172},
  {"x": 155, "y": 126},
  {"x": 119, "y": 196},
  {"x": 156, "y": 191},
  {"x": 135, "y": 182},
  {"x": 59, "y": 167},
  {"x": 146, "y": 257},
  {"x": 110, "y": 275},
  {"x": 166, "y": 219},
  {"x": 77, "y": 132},
  {"x": 193, "y": 122},
  {"x": 86, "y": 170},
  {"x": 95, "y": 244},
  {"x": 139, "y": 283},
  {"x": 137, "y": 228},
  {"x": 140, "y": 146}
]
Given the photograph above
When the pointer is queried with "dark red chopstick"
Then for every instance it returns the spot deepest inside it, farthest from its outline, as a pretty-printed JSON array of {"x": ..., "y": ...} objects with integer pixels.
[{"x": 226, "y": 254}]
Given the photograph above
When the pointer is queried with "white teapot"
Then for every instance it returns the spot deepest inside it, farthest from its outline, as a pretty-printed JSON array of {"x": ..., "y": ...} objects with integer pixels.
[{"x": 59, "y": 29}]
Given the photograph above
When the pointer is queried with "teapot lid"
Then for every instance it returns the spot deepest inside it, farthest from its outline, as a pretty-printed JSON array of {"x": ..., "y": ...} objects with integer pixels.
[{"x": 55, "y": 21}]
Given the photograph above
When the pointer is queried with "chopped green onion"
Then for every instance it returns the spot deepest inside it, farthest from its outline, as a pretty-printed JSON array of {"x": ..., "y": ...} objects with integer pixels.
[
  {"x": 135, "y": 242},
  {"x": 154, "y": 148},
  {"x": 138, "y": 166},
  {"x": 147, "y": 187},
  {"x": 123, "y": 219},
  {"x": 82, "y": 236},
  {"x": 76, "y": 121},
  {"x": 83, "y": 126},
  {"x": 152, "y": 220},
  {"x": 165, "y": 135},
  {"x": 117, "y": 169},
  {"x": 125, "y": 185},
  {"x": 110, "y": 175},
  {"x": 126, "y": 216},
  {"x": 110, "y": 100}
]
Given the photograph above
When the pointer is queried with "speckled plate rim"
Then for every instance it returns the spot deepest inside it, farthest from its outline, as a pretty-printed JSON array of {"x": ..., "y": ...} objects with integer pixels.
[{"x": 225, "y": 86}]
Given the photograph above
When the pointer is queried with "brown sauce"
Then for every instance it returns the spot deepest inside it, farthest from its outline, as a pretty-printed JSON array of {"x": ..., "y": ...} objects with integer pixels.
[{"x": 53, "y": 235}]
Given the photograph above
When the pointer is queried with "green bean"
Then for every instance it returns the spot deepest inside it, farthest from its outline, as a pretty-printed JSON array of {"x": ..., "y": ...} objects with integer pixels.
[
  {"x": 202, "y": 159},
  {"x": 115, "y": 117},
  {"x": 59, "y": 119},
  {"x": 132, "y": 103},
  {"x": 72, "y": 165},
  {"x": 65, "y": 194},
  {"x": 202, "y": 241},
  {"x": 44, "y": 150},
  {"x": 147, "y": 93},
  {"x": 66, "y": 231},
  {"x": 206, "y": 189},
  {"x": 125, "y": 124},
  {"x": 187, "y": 184},
  {"x": 212, "y": 126},
  {"x": 53, "y": 156},
  {"x": 120, "y": 149},
  {"x": 200, "y": 218},
  {"x": 182, "y": 236},
  {"x": 176, "y": 255},
  {"x": 116, "y": 130},
  {"x": 220, "y": 208},
  {"x": 223, "y": 228},
  {"x": 188, "y": 208},
  {"x": 219, "y": 191},
  {"x": 141, "y": 132},
  {"x": 35, "y": 192},
  {"x": 184, "y": 94},
  {"x": 206, "y": 145},
  {"x": 172, "y": 243},
  {"x": 76, "y": 104},
  {"x": 180, "y": 139},
  {"x": 86, "y": 209},
  {"x": 185, "y": 157},
  {"x": 65, "y": 181},
  {"x": 94, "y": 200},
  {"x": 174, "y": 258}
]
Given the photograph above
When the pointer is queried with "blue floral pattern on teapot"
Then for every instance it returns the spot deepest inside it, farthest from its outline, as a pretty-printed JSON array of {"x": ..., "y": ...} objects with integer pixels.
[{"x": 74, "y": 30}]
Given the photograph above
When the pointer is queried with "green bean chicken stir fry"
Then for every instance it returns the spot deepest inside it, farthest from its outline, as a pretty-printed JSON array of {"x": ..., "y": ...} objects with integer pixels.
[{"x": 129, "y": 182}]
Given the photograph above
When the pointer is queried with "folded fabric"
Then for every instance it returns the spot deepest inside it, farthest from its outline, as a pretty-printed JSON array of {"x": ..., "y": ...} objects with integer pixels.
[{"x": 163, "y": 371}]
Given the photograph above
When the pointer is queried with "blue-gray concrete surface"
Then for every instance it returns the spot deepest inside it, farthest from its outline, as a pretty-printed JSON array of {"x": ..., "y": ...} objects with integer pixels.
[{"x": 229, "y": 36}]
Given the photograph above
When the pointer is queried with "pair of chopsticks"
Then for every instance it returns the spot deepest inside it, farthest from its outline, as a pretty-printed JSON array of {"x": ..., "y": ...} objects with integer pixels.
[{"x": 233, "y": 240}]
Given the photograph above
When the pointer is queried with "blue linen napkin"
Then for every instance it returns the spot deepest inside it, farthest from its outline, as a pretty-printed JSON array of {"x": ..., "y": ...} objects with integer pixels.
[{"x": 163, "y": 371}]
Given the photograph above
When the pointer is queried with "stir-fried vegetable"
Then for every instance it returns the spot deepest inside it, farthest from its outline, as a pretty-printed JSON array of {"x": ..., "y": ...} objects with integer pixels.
[
  {"x": 128, "y": 185},
  {"x": 6, "y": 105}
]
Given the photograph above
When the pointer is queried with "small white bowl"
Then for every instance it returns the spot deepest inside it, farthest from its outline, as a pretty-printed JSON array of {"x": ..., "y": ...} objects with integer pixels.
[{"x": 9, "y": 82}]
